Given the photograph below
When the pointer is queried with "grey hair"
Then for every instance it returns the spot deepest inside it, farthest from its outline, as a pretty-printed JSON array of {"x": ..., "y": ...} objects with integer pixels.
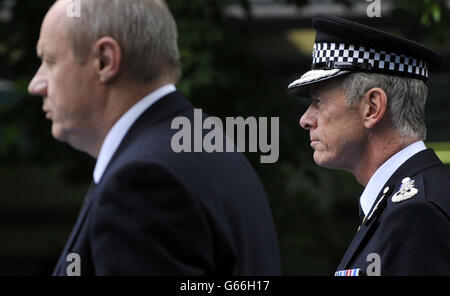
[
  {"x": 144, "y": 29},
  {"x": 406, "y": 99}
]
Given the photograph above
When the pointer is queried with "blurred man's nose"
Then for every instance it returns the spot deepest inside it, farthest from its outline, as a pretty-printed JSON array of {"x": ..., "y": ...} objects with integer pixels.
[
  {"x": 38, "y": 85},
  {"x": 307, "y": 121}
]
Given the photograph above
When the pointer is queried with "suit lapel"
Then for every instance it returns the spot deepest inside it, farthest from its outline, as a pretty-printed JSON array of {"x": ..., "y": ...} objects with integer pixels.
[
  {"x": 420, "y": 161},
  {"x": 366, "y": 227},
  {"x": 165, "y": 107},
  {"x": 59, "y": 269}
]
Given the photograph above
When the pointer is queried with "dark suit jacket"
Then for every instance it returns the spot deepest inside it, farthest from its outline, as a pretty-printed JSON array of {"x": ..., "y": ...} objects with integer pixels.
[
  {"x": 157, "y": 212},
  {"x": 412, "y": 237}
]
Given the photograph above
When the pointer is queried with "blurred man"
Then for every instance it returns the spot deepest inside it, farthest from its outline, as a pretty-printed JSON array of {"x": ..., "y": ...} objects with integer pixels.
[
  {"x": 107, "y": 79},
  {"x": 367, "y": 117}
]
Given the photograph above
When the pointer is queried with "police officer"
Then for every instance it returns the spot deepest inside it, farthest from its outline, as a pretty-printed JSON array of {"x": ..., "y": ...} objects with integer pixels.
[{"x": 367, "y": 116}]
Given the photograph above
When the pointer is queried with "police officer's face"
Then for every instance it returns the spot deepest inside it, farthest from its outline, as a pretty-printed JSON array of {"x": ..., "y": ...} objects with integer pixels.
[
  {"x": 336, "y": 128},
  {"x": 67, "y": 87}
]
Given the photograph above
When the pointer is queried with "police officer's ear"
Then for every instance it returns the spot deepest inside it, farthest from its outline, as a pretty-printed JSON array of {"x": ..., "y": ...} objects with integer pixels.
[
  {"x": 374, "y": 106},
  {"x": 107, "y": 59}
]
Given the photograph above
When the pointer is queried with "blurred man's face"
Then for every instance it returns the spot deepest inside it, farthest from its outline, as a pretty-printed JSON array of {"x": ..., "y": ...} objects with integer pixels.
[
  {"x": 336, "y": 129},
  {"x": 66, "y": 86}
]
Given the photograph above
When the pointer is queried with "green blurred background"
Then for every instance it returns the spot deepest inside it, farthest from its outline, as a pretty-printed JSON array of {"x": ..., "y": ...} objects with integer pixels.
[{"x": 238, "y": 57}]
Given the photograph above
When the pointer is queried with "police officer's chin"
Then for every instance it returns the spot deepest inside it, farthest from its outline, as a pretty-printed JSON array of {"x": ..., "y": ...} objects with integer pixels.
[
  {"x": 324, "y": 160},
  {"x": 319, "y": 159}
]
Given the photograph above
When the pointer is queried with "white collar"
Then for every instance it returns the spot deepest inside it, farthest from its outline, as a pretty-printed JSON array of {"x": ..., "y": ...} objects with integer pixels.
[
  {"x": 384, "y": 172},
  {"x": 121, "y": 127}
]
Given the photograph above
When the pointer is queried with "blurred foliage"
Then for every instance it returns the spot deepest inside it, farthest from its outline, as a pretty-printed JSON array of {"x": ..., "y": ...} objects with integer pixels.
[
  {"x": 315, "y": 210},
  {"x": 433, "y": 14}
]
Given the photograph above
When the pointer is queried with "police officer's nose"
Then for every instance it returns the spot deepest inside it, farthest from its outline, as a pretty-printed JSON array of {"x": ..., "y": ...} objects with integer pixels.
[
  {"x": 307, "y": 121},
  {"x": 38, "y": 85}
]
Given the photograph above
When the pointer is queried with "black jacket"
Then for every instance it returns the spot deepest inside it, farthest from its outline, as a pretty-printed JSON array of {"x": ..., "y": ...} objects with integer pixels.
[
  {"x": 157, "y": 212},
  {"x": 412, "y": 236}
]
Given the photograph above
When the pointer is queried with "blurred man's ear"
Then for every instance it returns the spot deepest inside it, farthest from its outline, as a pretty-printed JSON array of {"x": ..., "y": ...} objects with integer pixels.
[
  {"x": 374, "y": 106},
  {"x": 108, "y": 58}
]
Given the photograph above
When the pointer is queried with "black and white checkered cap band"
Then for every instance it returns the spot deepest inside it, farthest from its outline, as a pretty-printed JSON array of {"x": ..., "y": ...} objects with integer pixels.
[{"x": 323, "y": 53}]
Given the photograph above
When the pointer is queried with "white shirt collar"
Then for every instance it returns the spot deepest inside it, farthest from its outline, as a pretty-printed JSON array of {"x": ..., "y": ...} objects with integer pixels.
[
  {"x": 121, "y": 127},
  {"x": 384, "y": 172}
]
